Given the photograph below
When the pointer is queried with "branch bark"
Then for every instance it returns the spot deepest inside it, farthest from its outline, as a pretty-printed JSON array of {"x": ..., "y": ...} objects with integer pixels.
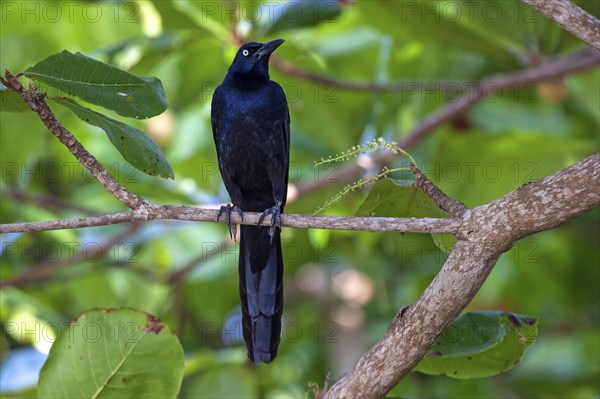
[
  {"x": 568, "y": 15},
  {"x": 486, "y": 233},
  {"x": 449, "y": 205}
]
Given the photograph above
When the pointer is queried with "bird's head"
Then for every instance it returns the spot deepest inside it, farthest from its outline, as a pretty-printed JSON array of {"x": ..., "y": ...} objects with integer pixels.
[{"x": 253, "y": 58}]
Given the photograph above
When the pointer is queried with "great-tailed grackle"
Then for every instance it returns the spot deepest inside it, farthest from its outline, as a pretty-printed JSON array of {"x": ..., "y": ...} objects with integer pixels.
[{"x": 251, "y": 128}]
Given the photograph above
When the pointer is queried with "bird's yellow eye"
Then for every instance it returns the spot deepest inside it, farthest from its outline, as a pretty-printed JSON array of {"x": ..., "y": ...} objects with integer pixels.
[{"x": 245, "y": 52}]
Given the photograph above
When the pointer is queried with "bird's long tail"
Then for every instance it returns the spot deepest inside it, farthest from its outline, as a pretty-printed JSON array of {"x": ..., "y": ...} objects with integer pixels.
[{"x": 261, "y": 291}]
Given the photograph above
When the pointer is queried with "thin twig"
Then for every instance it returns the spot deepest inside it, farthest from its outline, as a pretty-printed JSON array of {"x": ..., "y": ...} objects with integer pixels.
[
  {"x": 289, "y": 69},
  {"x": 190, "y": 213},
  {"x": 91, "y": 221},
  {"x": 487, "y": 88},
  {"x": 36, "y": 102},
  {"x": 449, "y": 205}
]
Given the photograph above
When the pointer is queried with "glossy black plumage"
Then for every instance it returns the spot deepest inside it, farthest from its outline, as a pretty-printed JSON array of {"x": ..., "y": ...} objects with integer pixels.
[{"x": 251, "y": 129}]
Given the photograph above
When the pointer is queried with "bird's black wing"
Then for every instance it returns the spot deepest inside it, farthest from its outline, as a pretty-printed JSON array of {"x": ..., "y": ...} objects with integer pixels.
[{"x": 282, "y": 106}]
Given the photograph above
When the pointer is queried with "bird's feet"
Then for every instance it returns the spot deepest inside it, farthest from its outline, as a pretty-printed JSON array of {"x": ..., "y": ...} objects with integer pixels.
[
  {"x": 226, "y": 209},
  {"x": 275, "y": 212}
]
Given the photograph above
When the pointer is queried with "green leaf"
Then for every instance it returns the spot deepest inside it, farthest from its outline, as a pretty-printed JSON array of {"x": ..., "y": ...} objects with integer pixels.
[
  {"x": 298, "y": 14},
  {"x": 113, "y": 353},
  {"x": 135, "y": 146},
  {"x": 480, "y": 344},
  {"x": 390, "y": 199},
  {"x": 11, "y": 101},
  {"x": 101, "y": 84}
]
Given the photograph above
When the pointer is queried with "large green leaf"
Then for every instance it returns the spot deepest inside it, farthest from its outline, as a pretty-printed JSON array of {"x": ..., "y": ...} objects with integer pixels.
[
  {"x": 480, "y": 344},
  {"x": 102, "y": 84},
  {"x": 113, "y": 353},
  {"x": 135, "y": 146},
  {"x": 11, "y": 101},
  {"x": 389, "y": 199}
]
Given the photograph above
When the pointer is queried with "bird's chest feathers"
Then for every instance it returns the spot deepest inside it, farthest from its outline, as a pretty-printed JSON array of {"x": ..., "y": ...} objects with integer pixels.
[{"x": 251, "y": 124}]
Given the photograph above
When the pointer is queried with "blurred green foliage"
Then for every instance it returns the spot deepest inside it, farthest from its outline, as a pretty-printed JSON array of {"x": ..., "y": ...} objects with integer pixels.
[{"x": 342, "y": 288}]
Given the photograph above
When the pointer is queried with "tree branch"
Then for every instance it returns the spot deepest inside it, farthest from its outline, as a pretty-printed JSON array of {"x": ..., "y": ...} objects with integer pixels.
[
  {"x": 190, "y": 213},
  {"x": 488, "y": 231},
  {"x": 579, "y": 61},
  {"x": 289, "y": 69},
  {"x": 451, "y": 206},
  {"x": 572, "y": 18},
  {"x": 537, "y": 206},
  {"x": 36, "y": 102}
]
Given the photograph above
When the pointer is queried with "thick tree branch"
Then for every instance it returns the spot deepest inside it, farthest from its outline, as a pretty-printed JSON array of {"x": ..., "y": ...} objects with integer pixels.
[
  {"x": 488, "y": 231},
  {"x": 411, "y": 335},
  {"x": 36, "y": 102},
  {"x": 586, "y": 59},
  {"x": 537, "y": 206},
  {"x": 568, "y": 15},
  {"x": 190, "y": 213}
]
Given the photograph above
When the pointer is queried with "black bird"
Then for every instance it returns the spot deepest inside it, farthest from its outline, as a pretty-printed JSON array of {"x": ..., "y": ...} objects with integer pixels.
[{"x": 251, "y": 127}]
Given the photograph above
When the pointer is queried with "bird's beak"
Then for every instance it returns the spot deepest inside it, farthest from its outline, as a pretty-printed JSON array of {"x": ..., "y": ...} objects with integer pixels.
[{"x": 266, "y": 49}]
